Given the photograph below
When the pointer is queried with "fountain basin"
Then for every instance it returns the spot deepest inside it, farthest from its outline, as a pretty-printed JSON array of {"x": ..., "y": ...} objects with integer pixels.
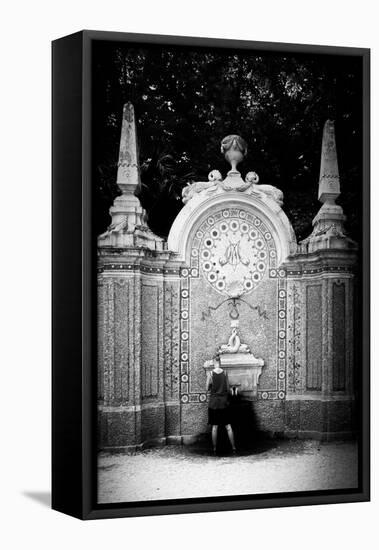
[{"x": 243, "y": 371}]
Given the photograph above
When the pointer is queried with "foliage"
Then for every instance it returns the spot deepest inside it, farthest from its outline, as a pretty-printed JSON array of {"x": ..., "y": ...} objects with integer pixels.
[{"x": 186, "y": 100}]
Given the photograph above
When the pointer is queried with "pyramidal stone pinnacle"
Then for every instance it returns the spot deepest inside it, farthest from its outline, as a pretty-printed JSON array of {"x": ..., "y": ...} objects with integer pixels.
[
  {"x": 328, "y": 224},
  {"x": 128, "y": 166},
  {"x": 128, "y": 228},
  {"x": 329, "y": 182}
]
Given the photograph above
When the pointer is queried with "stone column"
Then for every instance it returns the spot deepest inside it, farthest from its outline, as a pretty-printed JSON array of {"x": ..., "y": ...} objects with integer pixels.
[{"x": 328, "y": 257}]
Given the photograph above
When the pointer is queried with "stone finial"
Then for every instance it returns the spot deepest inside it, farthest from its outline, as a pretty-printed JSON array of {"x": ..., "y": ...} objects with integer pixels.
[
  {"x": 214, "y": 175},
  {"x": 235, "y": 149},
  {"x": 252, "y": 177},
  {"x": 128, "y": 166},
  {"x": 328, "y": 224},
  {"x": 128, "y": 227},
  {"x": 329, "y": 182}
]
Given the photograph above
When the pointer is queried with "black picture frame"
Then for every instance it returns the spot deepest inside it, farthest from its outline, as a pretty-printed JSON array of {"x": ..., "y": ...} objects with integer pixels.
[{"x": 74, "y": 290}]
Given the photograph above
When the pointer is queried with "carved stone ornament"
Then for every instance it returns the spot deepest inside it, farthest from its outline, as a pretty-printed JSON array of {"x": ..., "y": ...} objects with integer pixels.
[
  {"x": 214, "y": 178},
  {"x": 234, "y": 253},
  {"x": 234, "y": 344},
  {"x": 328, "y": 225},
  {"x": 242, "y": 367},
  {"x": 234, "y": 149}
]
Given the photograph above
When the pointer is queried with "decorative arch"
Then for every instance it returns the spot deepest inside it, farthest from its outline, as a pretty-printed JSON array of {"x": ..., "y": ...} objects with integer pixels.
[{"x": 199, "y": 207}]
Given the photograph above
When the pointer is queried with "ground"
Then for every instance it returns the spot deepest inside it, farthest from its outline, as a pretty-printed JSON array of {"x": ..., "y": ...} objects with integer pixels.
[{"x": 190, "y": 471}]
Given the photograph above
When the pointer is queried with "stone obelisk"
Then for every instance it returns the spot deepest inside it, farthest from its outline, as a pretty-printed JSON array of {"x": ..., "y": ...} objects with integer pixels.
[
  {"x": 329, "y": 182},
  {"x": 127, "y": 227},
  {"x": 328, "y": 230}
]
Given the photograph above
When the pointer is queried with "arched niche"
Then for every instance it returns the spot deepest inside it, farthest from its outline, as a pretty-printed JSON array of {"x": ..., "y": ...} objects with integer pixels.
[{"x": 240, "y": 268}]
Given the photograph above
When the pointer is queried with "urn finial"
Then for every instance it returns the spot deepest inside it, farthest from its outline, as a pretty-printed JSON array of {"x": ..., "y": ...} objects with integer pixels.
[{"x": 235, "y": 149}]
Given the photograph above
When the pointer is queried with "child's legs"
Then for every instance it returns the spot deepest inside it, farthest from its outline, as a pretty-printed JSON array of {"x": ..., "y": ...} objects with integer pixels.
[
  {"x": 230, "y": 435},
  {"x": 214, "y": 436}
]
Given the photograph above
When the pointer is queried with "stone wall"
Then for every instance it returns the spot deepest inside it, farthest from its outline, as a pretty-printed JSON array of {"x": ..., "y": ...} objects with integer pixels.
[
  {"x": 160, "y": 318},
  {"x": 138, "y": 348}
]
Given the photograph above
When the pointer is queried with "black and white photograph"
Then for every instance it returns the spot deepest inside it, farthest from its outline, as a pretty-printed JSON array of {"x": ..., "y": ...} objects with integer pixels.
[
  {"x": 189, "y": 222},
  {"x": 228, "y": 196}
]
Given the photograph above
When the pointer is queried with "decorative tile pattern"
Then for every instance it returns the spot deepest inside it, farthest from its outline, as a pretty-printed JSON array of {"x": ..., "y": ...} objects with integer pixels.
[
  {"x": 217, "y": 238},
  {"x": 294, "y": 366},
  {"x": 135, "y": 268},
  {"x": 233, "y": 249},
  {"x": 280, "y": 391},
  {"x": 321, "y": 269},
  {"x": 185, "y": 395},
  {"x": 171, "y": 340}
]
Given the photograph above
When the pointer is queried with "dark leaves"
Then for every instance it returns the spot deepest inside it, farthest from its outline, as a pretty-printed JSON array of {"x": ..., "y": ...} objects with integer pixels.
[{"x": 186, "y": 101}]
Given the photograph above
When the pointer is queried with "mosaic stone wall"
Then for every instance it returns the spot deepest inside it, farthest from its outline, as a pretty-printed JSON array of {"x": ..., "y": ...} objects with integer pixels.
[
  {"x": 232, "y": 251},
  {"x": 171, "y": 340},
  {"x": 320, "y": 331},
  {"x": 296, "y": 341},
  {"x": 339, "y": 337},
  {"x": 159, "y": 319},
  {"x": 150, "y": 340},
  {"x": 314, "y": 336},
  {"x": 115, "y": 342}
]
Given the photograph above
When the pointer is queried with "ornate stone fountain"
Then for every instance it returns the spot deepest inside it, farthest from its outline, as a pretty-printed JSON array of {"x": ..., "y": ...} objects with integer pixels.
[
  {"x": 243, "y": 368},
  {"x": 231, "y": 262}
]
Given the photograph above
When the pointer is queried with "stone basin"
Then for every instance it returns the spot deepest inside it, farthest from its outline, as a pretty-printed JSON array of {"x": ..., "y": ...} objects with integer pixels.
[{"x": 243, "y": 371}]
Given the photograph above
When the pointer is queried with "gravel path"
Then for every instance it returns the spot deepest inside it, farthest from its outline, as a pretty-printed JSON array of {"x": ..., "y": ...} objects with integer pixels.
[{"x": 187, "y": 472}]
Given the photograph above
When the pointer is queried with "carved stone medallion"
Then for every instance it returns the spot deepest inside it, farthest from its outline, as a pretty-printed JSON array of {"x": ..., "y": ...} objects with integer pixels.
[{"x": 234, "y": 252}]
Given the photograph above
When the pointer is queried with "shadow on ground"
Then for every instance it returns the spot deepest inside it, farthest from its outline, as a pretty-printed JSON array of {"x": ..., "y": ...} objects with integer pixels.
[
  {"x": 42, "y": 497},
  {"x": 248, "y": 439},
  {"x": 261, "y": 445}
]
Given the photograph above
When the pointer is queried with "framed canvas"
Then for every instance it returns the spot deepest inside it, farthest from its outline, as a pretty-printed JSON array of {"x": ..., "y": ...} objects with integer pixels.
[{"x": 210, "y": 275}]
